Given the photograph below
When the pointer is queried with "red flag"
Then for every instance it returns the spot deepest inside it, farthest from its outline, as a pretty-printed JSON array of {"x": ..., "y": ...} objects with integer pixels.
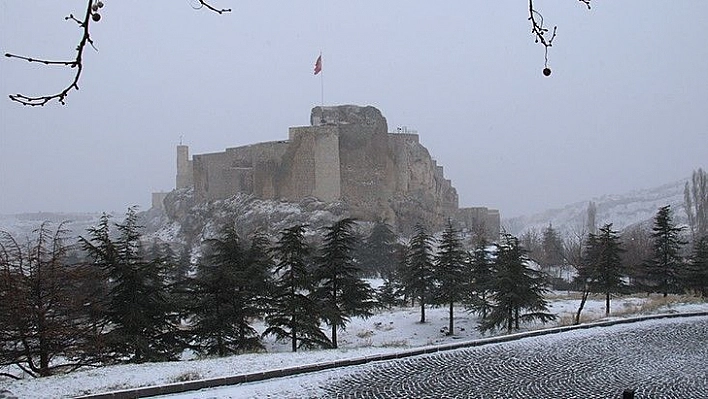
[{"x": 318, "y": 65}]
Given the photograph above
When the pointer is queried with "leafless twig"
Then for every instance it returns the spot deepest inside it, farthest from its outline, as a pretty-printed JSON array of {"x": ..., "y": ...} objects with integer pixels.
[
  {"x": 91, "y": 15},
  {"x": 203, "y": 3},
  {"x": 75, "y": 63},
  {"x": 540, "y": 31}
]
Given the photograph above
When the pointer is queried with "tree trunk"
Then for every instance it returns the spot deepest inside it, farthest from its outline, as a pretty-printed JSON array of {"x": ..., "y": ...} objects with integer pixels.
[
  {"x": 607, "y": 304},
  {"x": 293, "y": 335},
  {"x": 583, "y": 299},
  {"x": 516, "y": 317},
  {"x": 451, "y": 326},
  {"x": 422, "y": 310},
  {"x": 334, "y": 335},
  {"x": 242, "y": 336},
  {"x": 511, "y": 320}
]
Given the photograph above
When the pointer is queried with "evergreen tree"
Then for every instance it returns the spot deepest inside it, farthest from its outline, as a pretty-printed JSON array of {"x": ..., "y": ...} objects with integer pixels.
[
  {"x": 294, "y": 315},
  {"x": 696, "y": 273},
  {"x": 43, "y": 319},
  {"x": 552, "y": 247},
  {"x": 515, "y": 286},
  {"x": 99, "y": 253},
  {"x": 340, "y": 292},
  {"x": 602, "y": 264},
  {"x": 184, "y": 264},
  {"x": 379, "y": 251},
  {"x": 419, "y": 273},
  {"x": 393, "y": 290},
  {"x": 451, "y": 272},
  {"x": 139, "y": 305},
  {"x": 481, "y": 275},
  {"x": 228, "y": 290},
  {"x": 664, "y": 269}
]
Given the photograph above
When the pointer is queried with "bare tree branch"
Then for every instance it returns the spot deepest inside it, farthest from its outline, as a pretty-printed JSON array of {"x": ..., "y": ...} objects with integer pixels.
[
  {"x": 203, "y": 3},
  {"x": 91, "y": 15},
  {"x": 75, "y": 63},
  {"x": 539, "y": 31}
]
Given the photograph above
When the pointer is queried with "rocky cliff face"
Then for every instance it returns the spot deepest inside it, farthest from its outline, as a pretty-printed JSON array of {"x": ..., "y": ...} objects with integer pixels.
[
  {"x": 385, "y": 175},
  {"x": 191, "y": 221}
]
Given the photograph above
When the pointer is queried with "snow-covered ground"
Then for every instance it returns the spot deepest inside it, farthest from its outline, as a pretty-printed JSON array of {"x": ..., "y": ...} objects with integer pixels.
[{"x": 387, "y": 331}]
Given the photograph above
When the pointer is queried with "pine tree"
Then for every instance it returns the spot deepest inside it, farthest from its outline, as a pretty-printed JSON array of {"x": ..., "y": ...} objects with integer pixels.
[
  {"x": 99, "y": 252},
  {"x": 379, "y": 251},
  {"x": 294, "y": 314},
  {"x": 664, "y": 269},
  {"x": 696, "y": 272},
  {"x": 228, "y": 293},
  {"x": 515, "y": 287},
  {"x": 419, "y": 273},
  {"x": 602, "y": 269},
  {"x": 451, "y": 272},
  {"x": 139, "y": 305},
  {"x": 340, "y": 291},
  {"x": 393, "y": 291},
  {"x": 481, "y": 275},
  {"x": 43, "y": 318},
  {"x": 552, "y": 248}
]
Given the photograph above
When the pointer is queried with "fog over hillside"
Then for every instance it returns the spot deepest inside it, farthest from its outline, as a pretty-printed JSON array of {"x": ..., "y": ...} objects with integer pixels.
[{"x": 621, "y": 210}]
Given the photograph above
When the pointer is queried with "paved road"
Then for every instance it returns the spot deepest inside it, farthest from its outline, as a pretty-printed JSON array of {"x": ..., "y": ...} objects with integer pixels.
[
  {"x": 660, "y": 359},
  {"x": 7, "y": 395}
]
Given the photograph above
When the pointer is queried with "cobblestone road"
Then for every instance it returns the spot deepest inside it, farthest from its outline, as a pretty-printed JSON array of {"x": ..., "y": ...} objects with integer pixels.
[{"x": 662, "y": 359}]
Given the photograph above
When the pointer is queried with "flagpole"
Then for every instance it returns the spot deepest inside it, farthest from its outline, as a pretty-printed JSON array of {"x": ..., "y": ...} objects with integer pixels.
[{"x": 322, "y": 86}]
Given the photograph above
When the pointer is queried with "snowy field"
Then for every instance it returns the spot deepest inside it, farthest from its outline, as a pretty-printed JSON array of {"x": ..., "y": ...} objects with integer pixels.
[{"x": 387, "y": 331}]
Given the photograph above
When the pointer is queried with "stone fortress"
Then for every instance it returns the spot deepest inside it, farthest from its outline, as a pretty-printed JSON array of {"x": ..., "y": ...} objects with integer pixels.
[{"x": 347, "y": 155}]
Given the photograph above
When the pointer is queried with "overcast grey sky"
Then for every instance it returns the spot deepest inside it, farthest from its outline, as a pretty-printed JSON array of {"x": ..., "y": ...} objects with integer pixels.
[{"x": 625, "y": 108}]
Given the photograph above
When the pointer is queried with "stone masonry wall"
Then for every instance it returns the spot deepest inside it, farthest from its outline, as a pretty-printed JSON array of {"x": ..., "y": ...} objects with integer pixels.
[
  {"x": 328, "y": 181},
  {"x": 346, "y": 154}
]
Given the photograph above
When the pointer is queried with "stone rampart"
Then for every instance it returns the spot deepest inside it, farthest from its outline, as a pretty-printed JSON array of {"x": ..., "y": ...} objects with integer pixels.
[{"x": 348, "y": 155}]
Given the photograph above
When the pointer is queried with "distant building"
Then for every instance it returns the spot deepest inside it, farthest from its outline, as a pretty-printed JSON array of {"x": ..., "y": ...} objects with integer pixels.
[{"x": 348, "y": 155}]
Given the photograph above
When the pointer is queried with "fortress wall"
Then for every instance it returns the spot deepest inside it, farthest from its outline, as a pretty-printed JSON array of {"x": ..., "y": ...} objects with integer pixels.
[
  {"x": 481, "y": 220},
  {"x": 327, "y": 164},
  {"x": 185, "y": 173},
  {"x": 236, "y": 180},
  {"x": 222, "y": 174},
  {"x": 296, "y": 175},
  {"x": 365, "y": 168},
  {"x": 266, "y": 159},
  {"x": 208, "y": 183},
  {"x": 246, "y": 169},
  {"x": 240, "y": 157},
  {"x": 401, "y": 138}
]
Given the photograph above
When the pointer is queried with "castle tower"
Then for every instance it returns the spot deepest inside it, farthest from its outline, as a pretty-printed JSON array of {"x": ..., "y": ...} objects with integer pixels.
[{"x": 185, "y": 174}]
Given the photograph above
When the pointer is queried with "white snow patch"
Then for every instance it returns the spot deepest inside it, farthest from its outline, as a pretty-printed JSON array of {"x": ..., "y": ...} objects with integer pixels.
[{"x": 385, "y": 332}]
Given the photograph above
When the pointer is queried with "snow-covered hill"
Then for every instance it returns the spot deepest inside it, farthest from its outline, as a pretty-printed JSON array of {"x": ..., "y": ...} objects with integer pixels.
[
  {"x": 621, "y": 210},
  {"x": 22, "y": 226},
  {"x": 187, "y": 220}
]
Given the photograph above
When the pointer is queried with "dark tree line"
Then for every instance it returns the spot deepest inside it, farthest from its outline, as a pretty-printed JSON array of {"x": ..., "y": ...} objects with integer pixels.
[
  {"x": 658, "y": 261},
  {"x": 113, "y": 298},
  {"x": 498, "y": 282}
]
